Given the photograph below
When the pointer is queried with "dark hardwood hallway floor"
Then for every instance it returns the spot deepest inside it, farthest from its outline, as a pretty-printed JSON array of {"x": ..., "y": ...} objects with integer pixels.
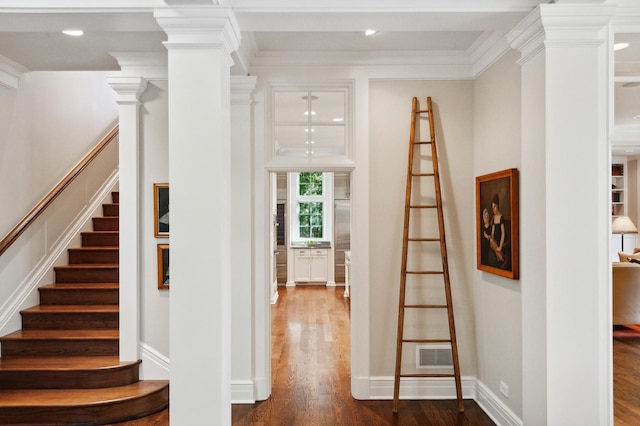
[
  {"x": 311, "y": 386},
  {"x": 626, "y": 375},
  {"x": 311, "y": 372}
]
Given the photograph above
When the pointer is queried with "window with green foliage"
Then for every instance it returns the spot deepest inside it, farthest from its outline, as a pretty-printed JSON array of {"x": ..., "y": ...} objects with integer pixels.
[
  {"x": 310, "y": 219},
  {"x": 311, "y": 205},
  {"x": 310, "y": 183}
]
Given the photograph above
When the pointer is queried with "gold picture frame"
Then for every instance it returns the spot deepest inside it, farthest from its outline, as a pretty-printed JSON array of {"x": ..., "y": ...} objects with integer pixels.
[
  {"x": 161, "y": 209},
  {"x": 497, "y": 213},
  {"x": 163, "y": 266}
]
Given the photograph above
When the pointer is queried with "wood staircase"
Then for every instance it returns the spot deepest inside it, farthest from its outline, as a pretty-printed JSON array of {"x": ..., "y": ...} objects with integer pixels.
[{"x": 63, "y": 367}]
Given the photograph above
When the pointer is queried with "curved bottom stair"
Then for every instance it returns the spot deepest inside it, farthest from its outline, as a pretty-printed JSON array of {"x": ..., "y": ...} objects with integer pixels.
[
  {"x": 63, "y": 367},
  {"x": 83, "y": 406}
]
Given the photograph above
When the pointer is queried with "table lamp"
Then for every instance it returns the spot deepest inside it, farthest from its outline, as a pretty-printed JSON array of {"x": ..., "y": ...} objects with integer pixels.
[{"x": 623, "y": 225}]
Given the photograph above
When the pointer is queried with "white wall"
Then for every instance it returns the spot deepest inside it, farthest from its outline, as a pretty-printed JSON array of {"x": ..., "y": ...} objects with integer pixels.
[
  {"x": 154, "y": 333},
  {"x": 499, "y": 306},
  {"x": 390, "y": 112},
  {"x": 47, "y": 125}
]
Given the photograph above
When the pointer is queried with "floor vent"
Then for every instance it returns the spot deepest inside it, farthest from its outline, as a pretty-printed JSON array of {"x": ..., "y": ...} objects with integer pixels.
[{"x": 434, "y": 356}]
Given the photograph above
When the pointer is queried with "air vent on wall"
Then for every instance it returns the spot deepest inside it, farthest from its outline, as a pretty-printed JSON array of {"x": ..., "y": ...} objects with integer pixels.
[{"x": 434, "y": 356}]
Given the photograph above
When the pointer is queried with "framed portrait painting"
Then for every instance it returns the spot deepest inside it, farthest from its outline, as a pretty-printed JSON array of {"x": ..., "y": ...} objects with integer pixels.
[
  {"x": 497, "y": 213},
  {"x": 161, "y": 209},
  {"x": 163, "y": 266}
]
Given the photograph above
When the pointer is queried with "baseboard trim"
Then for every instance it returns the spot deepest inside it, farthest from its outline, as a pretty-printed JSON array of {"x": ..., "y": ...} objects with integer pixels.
[
  {"x": 421, "y": 388},
  {"x": 494, "y": 407},
  {"x": 262, "y": 388},
  {"x": 155, "y": 366},
  {"x": 242, "y": 392}
]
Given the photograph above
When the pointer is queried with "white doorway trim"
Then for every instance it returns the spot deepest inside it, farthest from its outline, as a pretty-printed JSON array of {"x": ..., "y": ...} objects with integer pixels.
[{"x": 359, "y": 169}]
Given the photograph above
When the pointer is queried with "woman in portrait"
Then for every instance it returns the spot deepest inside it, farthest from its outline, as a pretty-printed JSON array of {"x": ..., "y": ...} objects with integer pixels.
[{"x": 497, "y": 233}]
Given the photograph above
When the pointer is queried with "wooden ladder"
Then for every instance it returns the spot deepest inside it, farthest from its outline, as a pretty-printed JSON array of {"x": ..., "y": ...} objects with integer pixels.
[{"x": 422, "y": 282}]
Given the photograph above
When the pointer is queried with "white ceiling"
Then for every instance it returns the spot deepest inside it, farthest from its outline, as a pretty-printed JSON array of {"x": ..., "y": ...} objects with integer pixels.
[
  {"x": 30, "y": 29},
  {"x": 449, "y": 30}
]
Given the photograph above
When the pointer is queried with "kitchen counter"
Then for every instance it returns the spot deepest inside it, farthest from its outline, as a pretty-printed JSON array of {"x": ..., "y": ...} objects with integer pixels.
[{"x": 307, "y": 245}]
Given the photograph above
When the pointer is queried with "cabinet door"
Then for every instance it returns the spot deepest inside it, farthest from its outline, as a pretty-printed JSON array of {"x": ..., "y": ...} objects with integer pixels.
[
  {"x": 319, "y": 267},
  {"x": 301, "y": 266}
]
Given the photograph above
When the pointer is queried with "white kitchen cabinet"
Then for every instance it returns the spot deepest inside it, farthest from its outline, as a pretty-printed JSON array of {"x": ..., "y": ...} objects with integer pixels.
[{"x": 311, "y": 265}]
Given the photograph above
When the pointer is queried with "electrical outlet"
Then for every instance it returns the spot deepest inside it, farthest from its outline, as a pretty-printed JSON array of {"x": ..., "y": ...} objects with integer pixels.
[{"x": 504, "y": 389}]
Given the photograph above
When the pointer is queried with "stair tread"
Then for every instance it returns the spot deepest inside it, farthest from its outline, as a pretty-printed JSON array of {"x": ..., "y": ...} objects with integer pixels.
[
  {"x": 103, "y": 334},
  {"x": 101, "y": 232},
  {"x": 65, "y": 309},
  {"x": 78, "y": 397},
  {"x": 40, "y": 363},
  {"x": 81, "y": 286},
  {"x": 95, "y": 248},
  {"x": 88, "y": 266}
]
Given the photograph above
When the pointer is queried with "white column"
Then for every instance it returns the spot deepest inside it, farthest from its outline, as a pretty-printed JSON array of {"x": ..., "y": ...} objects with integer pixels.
[
  {"x": 242, "y": 260},
  {"x": 200, "y": 42},
  {"x": 565, "y": 215},
  {"x": 129, "y": 90}
]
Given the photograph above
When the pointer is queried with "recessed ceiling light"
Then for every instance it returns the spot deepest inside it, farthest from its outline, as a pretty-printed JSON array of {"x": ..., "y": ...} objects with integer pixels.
[
  {"x": 369, "y": 33},
  {"x": 620, "y": 46},
  {"x": 636, "y": 117},
  {"x": 338, "y": 119},
  {"x": 74, "y": 33},
  {"x": 307, "y": 130},
  {"x": 307, "y": 113},
  {"x": 629, "y": 151}
]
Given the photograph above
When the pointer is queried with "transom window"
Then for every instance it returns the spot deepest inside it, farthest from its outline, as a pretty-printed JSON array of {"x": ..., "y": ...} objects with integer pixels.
[{"x": 310, "y": 124}]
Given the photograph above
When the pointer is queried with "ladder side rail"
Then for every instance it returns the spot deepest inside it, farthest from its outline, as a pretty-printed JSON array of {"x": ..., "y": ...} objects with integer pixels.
[
  {"x": 403, "y": 271},
  {"x": 445, "y": 262}
]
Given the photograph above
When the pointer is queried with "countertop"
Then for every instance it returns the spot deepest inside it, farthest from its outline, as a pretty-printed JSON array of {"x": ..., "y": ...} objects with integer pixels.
[{"x": 308, "y": 245}]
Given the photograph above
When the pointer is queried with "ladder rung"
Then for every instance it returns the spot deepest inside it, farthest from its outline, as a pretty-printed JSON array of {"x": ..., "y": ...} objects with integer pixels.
[
  {"x": 423, "y": 174},
  {"x": 426, "y": 340},
  {"x": 423, "y": 239},
  {"x": 430, "y": 375},
  {"x": 422, "y": 111},
  {"x": 425, "y": 272},
  {"x": 425, "y": 306},
  {"x": 424, "y": 206},
  {"x": 422, "y": 142}
]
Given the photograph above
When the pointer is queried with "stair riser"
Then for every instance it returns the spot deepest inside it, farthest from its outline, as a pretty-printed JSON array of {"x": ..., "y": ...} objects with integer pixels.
[
  {"x": 86, "y": 275},
  {"x": 69, "y": 321},
  {"x": 110, "y": 412},
  {"x": 95, "y": 239},
  {"x": 79, "y": 297},
  {"x": 81, "y": 347},
  {"x": 106, "y": 223},
  {"x": 115, "y": 197},
  {"x": 111, "y": 209},
  {"x": 70, "y": 379},
  {"x": 92, "y": 257}
]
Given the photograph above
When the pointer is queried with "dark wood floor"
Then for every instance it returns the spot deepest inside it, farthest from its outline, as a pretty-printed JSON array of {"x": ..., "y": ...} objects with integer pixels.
[
  {"x": 311, "y": 362},
  {"x": 626, "y": 376}
]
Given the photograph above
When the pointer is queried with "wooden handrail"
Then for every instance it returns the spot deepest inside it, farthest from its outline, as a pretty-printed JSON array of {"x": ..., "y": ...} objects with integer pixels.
[{"x": 22, "y": 226}]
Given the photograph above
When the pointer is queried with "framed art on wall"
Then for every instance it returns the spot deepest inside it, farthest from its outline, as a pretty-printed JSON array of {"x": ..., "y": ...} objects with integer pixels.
[
  {"x": 161, "y": 209},
  {"x": 163, "y": 266},
  {"x": 497, "y": 213}
]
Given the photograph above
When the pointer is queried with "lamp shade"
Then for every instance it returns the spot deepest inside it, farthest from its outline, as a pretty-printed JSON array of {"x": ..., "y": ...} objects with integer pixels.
[{"x": 623, "y": 225}]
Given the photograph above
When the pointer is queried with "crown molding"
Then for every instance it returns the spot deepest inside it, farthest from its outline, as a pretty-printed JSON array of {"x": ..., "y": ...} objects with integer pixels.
[{"x": 10, "y": 73}]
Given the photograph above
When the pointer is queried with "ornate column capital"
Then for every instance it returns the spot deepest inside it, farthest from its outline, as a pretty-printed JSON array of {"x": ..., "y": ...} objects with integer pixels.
[
  {"x": 560, "y": 25},
  {"x": 198, "y": 27},
  {"x": 128, "y": 89}
]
